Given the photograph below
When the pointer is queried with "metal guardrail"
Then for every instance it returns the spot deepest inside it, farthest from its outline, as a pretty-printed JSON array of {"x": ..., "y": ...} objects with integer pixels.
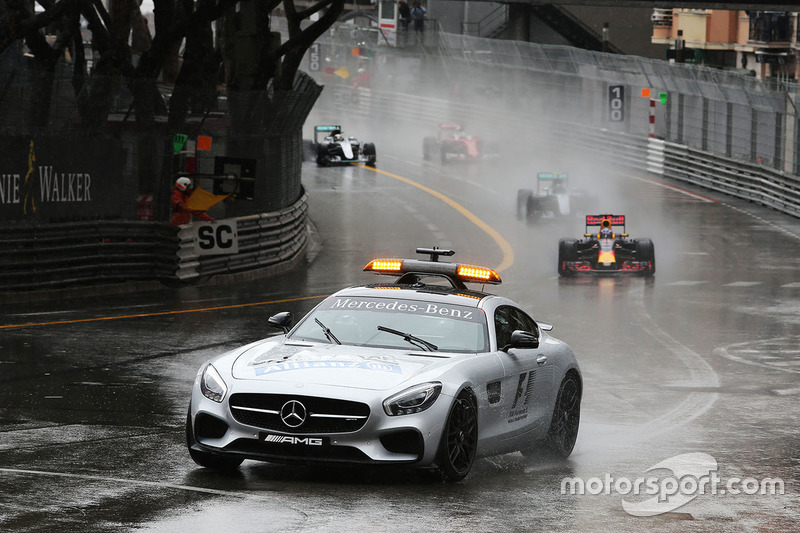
[
  {"x": 78, "y": 253},
  {"x": 748, "y": 181},
  {"x": 265, "y": 240},
  {"x": 63, "y": 255}
]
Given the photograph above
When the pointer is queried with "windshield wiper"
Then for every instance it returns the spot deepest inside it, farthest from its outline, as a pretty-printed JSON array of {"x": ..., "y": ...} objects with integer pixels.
[
  {"x": 328, "y": 333},
  {"x": 416, "y": 341}
]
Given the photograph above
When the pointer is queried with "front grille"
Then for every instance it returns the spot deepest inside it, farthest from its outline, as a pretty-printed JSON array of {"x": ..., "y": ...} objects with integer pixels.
[{"x": 323, "y": 415}]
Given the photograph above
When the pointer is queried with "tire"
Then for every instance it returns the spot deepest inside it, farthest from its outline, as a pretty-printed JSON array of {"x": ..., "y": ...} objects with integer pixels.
[
  {"x": 322, "y": 155},
  {"x": 535, "y": 208},
  {"x": 563, "y": 432},
  {"x": 645, "y": 251},
  {"x": 445, "y": 149},
  {"x": 428, "y": 148},
  {"x": 522, "y": 203},
  {"x": 567, "y": 251},
  {"x": 369, "y": 152},
  {"x": 208, "y": 460},
  {"x": 459, "y": 438}
]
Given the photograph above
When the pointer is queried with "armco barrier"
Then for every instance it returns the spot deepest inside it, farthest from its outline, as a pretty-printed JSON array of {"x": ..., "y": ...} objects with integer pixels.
[
  {"x": 759, "y": 184},
  {"x": 81, "y": 254},
  {"x": 59, "y": 255},
  {"x": 265, "y": 240}
]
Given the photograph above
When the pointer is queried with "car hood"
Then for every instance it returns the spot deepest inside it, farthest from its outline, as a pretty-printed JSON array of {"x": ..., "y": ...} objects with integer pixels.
[{"x": 330, "y": 364}]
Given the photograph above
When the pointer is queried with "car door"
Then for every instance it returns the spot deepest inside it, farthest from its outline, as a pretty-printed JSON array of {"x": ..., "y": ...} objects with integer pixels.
[{"x": 527, "y": 375}]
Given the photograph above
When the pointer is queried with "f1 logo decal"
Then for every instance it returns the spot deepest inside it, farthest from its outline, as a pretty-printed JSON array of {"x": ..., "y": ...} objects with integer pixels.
[{"x": 524, "y": 388}]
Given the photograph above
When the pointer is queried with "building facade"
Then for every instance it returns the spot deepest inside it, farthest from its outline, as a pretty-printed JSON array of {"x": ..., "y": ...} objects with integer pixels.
[{"x": 761, "y": 43}]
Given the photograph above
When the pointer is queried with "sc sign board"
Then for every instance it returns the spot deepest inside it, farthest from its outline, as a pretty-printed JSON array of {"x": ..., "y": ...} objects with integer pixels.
[{"x": 216, "y": 238}]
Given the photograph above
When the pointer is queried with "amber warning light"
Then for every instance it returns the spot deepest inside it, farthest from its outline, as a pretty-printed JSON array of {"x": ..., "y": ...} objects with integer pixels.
[
  {"x": 468, "y": 273},
  {"x": 486, "y": 275},
  {"x": 385, "y": 265}
]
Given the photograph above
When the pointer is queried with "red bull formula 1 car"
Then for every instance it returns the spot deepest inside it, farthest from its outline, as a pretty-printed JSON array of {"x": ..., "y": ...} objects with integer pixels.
[{"x": 606, "y": 251}]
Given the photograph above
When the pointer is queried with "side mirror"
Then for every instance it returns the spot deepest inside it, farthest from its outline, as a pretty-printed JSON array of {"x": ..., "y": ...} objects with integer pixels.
[
  {"x": 282, "y": 321},
  {"x": 522, "y": 339}
]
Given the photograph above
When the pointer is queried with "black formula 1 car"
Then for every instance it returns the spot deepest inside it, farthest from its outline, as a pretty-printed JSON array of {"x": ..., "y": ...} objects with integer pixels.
[
  {"x": 452, "y": 143},
  {"x": 606, "y": 252},
  {"x": 553, "y": 197},
  {"x": 335, "y": 148}
]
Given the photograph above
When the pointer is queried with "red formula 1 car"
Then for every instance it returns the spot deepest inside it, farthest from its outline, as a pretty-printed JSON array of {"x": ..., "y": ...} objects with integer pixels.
[
  {"x": 452, "y": 143},
  {"x": 606, "y": 251}
]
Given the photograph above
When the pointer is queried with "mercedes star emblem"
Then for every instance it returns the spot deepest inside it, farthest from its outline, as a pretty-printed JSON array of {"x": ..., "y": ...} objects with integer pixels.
[{"x": 293, "y": 413}]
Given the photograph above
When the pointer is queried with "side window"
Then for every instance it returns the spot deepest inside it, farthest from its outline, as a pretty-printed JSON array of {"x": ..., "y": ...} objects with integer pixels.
[
  {"x": 503, "y": 325},
  {"x": 525, "y": 323}
]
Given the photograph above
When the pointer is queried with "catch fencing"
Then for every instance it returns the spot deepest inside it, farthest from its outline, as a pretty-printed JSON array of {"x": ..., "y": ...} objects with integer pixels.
[{"x": 708, "y": 119}]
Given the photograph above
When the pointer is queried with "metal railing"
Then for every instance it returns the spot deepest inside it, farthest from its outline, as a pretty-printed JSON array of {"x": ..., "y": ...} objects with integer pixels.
[
  {"x": 751, "y": 182},
  {"x": 265, "y": 240},
  {"x": 58, "y": 256},
  {"x": 491, "y": 22},
  {"x": 80, "y": 253}
]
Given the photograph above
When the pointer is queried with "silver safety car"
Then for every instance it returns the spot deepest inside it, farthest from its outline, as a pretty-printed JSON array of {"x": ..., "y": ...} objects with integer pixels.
[{"x": 419, "y": 371}]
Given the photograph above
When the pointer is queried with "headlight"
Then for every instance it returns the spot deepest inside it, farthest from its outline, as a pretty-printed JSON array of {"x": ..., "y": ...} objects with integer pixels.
[
  {"x": 212, "y": 385},
  {"x": 413, "y": 400}
]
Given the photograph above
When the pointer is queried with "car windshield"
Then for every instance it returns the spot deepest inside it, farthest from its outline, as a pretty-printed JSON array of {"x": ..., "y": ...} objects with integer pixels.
[{"x": 365, "y": 321}]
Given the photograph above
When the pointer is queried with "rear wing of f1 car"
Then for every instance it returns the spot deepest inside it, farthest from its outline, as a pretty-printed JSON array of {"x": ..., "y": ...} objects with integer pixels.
[
  {"x": 549, "y": 176},
  {"x": 605, "y": 221},
  {"x": 548, "y": 180},
  {"x": 326, "y": 130}
]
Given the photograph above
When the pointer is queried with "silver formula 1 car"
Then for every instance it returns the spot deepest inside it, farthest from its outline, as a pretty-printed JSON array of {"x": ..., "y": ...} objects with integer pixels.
[
  {"x": 421, "y": 371},
  {"x": 334, "y": 148},
  {"x": 552, "y": 197}
]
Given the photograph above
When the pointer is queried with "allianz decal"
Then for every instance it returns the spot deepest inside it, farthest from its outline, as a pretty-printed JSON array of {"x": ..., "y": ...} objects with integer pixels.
[{"x": 375, "y": 366}]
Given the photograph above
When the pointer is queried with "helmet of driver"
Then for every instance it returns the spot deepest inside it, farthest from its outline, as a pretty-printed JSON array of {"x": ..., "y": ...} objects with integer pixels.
[
  {"x": 183, "y": 184},
  {"x": 605, "y": 233}
]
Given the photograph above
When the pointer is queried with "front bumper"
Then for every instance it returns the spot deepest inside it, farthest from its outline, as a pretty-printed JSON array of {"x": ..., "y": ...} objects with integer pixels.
[{"x": 402, "y": 440}]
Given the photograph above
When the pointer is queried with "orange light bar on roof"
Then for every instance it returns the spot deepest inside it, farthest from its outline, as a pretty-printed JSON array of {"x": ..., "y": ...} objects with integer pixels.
[
  {"x": 473, "y": 296},
  {"x": 474, "y": 273},
  {"x": 385, "y": 265}
]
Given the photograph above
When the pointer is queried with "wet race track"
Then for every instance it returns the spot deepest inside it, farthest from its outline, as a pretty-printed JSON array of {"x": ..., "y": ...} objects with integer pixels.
[{"x": 703, "y": 360}]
